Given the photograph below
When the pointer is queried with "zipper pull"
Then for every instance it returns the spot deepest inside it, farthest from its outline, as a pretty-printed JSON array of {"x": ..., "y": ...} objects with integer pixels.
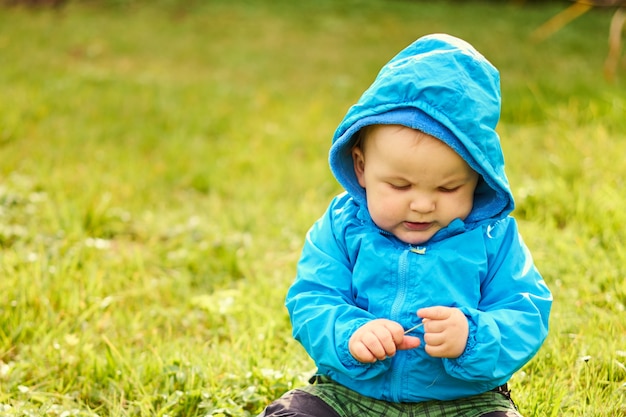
[{"x": 420, "y": 250}]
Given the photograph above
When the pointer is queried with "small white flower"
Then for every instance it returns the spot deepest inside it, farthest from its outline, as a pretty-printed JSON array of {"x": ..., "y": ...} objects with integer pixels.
[{"x": 4, "y": 369}]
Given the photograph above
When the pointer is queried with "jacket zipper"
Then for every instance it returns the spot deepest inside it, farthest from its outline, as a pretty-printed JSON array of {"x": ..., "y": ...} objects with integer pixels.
[
  {"x": 396, "y": 310},
  {"x": 396, "y": 315}
]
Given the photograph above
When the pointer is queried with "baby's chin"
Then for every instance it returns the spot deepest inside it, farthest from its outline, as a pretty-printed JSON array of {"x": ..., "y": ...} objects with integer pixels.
[{"x": 413, "y": 238}]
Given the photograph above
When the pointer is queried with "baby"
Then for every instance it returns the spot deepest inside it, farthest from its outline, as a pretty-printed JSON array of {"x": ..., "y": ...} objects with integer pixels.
[{"x": 422, "y": 240}]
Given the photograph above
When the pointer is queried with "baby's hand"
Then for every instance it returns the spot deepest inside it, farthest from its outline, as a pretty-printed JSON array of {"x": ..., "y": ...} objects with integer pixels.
[
  {"x": 379, "y": 339},
  {"x": 445, "y": 331}
]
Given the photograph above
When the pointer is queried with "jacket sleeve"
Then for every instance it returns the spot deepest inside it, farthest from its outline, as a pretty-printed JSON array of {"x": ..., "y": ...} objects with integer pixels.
[
  {"x": 511, "y": 321},
  {"x": 320, "y": 301}
]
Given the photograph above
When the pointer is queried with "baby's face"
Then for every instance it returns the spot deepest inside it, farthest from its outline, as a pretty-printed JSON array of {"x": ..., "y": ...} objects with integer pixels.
[{"x": 415, "y": 184}]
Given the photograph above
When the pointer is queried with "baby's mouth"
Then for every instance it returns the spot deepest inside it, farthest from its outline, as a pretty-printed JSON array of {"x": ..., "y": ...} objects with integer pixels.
[{"x": 417, "y": 226}]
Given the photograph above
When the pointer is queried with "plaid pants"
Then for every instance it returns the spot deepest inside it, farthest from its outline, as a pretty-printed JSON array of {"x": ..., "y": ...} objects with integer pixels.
[{"x": 324, "y": 398}]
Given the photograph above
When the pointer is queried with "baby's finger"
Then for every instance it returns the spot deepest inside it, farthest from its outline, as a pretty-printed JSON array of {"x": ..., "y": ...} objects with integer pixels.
[
  {"x": 396, "y": 331},
  {"x": 408, "y": 342},
  {"x": 434, "y": 326},
  {"x": 375, "y": 345},
  {"x": 361, "y": 353},
  {"x": 387, "y": 340},
  {"x": 434, "y": 339},
  {"x": 434, "y": 313},
  {"x": 436, "y": 351}
]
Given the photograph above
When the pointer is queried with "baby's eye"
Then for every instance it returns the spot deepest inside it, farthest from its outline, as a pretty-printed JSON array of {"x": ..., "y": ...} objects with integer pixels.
[
  {"x": 449, "y": 189},
  {"x": 397, "y": 186}
]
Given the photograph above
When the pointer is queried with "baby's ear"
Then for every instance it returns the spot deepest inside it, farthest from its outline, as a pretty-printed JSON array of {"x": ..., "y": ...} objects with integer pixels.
[{"x": 358, "y": 158}]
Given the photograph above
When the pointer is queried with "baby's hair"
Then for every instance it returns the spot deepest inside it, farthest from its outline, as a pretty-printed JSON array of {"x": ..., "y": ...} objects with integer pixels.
[{"x": 360, "y": 137}]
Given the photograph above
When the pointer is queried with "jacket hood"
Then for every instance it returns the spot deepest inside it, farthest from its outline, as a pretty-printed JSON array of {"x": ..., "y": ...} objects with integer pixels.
[{"x": 442, "y": 86}]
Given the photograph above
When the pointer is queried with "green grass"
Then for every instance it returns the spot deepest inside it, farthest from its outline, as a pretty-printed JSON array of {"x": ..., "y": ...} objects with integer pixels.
[{"x": 161, "y": 165}]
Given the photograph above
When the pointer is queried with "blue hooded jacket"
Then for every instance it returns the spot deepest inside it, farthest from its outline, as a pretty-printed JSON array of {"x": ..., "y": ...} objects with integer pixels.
[{"x": 351, "y": 272}]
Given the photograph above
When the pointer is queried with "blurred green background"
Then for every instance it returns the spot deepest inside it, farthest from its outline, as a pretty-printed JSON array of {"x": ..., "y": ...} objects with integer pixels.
[{"x": 162, "y": 161}]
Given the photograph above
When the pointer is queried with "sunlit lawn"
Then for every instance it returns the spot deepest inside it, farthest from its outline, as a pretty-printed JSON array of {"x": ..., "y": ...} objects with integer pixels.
[{"x": 161, "y": 164}]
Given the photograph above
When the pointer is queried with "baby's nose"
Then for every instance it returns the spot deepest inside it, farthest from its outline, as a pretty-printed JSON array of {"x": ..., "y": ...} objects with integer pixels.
[{"x": 422, "y": 203}]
